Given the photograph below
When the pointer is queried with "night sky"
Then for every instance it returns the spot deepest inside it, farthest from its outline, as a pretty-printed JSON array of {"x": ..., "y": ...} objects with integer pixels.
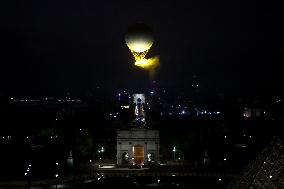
[{"x": 51, "y": 47}]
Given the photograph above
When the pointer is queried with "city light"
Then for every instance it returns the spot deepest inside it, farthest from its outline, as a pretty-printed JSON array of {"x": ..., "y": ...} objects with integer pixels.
[{"x": 174, "y": 151}]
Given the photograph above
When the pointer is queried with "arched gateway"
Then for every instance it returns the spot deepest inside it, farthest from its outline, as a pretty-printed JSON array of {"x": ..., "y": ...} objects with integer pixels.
[{"x": 139, "y": 145}]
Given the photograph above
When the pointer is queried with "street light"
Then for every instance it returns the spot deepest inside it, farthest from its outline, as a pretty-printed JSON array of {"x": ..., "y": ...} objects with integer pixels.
[
  {"x": 28, "y": 176},
  {"x": 90, "y": 168},
  {"x": 100, "y": 151},
  {"x": 174, "y": 151},
  {"x": 56, "y": 175}
]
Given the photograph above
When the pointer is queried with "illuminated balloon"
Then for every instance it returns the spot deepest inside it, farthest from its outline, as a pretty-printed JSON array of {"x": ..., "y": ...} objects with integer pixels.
[{"x": 139, "y": 39}]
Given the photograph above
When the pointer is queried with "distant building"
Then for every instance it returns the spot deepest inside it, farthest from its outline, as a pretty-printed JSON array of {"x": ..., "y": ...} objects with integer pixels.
[
  {"x": 266, "y": 171},
  {"x": 253, "y": 112},
  {"x": 139, "y": 145}
]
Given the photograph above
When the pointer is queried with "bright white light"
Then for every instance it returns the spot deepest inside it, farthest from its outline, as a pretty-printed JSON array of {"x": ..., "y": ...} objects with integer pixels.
[
  {"x": 264, "y": 162},
  {"x": 149, "y": 157},
  {"x": 27, "y": 137},
  {"x": 225, "y": 136},
  {"x": 225, "y": 159},
  {"x": 90, "y": 161},
  {"x": 152, "y": 92},
  {"x": 270, "y": 176},
  {"x": 26, "y": 174},
  {"x": 173, "y": 175},
  {"x": 119, "y": 94},
  {"x": 174, "y": 149},
  {"x": 99, "y": 178},
  {"x": 80, "y": 129},
  {"x": 28, "y": 170},
  {"x": 56, "y": 175},
  {"x": 102, "y": 150},
  {"x": 139, "y": 46},
  {"x": 56, "y": 163},
  {"x": 159, "y": 180},
  {"x": 107, "y": 167},
  {"x": 114, "y": 116},
  {"x": 30, "y": 165},
  {"x": 220, "y": 179}
]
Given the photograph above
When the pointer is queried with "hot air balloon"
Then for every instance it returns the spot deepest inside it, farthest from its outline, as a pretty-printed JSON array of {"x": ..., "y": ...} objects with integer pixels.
[{"x": 139, "y": 39}]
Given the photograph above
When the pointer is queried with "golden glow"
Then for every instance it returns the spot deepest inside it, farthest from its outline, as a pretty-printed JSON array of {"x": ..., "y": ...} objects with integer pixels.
[
  {"x": 147, "y": 63},
  {"x": 139, "y": 46},
  {"x": 139, "y": 55},
  {"x": 142, "y": 63}
]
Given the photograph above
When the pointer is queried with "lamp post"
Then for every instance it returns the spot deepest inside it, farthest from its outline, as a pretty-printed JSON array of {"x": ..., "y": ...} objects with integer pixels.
[
  {"x": 174, "y": 151},
  {"x": 28, "y": 175},
  {"x": 56, "y": 176},
  {"x": 28, "y": 180},
  {"x": 90, "y": 168},
  {"x": 100, "y": 151}
]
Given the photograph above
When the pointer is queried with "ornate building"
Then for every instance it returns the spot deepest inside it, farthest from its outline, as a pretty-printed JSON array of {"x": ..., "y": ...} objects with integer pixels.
[{"x": 139, "y": 145}]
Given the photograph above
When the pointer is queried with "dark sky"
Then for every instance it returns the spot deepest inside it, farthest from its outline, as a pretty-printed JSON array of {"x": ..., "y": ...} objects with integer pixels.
[{"x": 50, "y": 47}]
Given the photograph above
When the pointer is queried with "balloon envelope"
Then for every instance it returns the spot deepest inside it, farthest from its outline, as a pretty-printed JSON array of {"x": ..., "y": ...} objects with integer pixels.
[{"x": 139, "y": 38}]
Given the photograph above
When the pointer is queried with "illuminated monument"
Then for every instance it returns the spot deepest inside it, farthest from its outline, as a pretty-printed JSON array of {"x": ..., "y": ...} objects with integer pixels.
[{"x": 139, "y": 145}]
